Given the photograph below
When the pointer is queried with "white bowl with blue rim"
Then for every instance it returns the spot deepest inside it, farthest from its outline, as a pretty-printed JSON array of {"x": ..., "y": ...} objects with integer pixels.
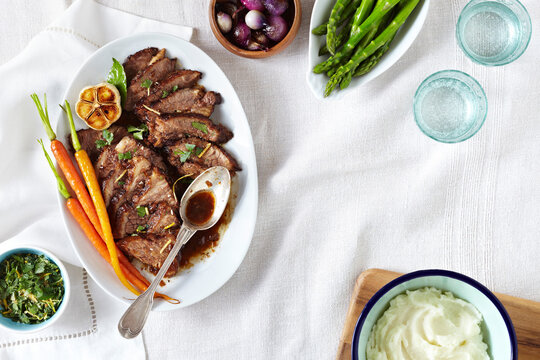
[
  {"x": 9, "y": 324},
  {"x": 497, "y": 329}
]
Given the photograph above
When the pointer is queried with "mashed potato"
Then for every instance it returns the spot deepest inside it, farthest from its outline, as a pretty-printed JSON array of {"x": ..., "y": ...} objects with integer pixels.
[{"x": 427, "y": 324}]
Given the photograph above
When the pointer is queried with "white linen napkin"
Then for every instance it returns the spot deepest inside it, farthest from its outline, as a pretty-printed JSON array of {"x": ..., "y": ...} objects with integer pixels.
[{"x": 29, "y": 210}]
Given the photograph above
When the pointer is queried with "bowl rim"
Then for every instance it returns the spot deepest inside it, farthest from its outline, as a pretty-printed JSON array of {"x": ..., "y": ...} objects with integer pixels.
[
  {"x": 31, "y": 328},
  {"x": 478, "y": 124},
  {"x": 434, "y": 272},
  {"x": 256, "y": 54}
]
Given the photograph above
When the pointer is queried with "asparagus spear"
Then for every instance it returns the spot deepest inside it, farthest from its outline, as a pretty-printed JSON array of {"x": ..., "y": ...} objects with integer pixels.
[
  {"x": 360, "y": 15},
  {"x": 349, "y": 11},
  {"x": 331, "y": 28},
  {"x": 380, "y": 10},
  {"x": 373, "y": 31},
  {"x": 365, "y": 42},
  {"x": 367, "y": 65},
  {"x": 341, "y": 38},
  {"x": 362, "y": 54}
]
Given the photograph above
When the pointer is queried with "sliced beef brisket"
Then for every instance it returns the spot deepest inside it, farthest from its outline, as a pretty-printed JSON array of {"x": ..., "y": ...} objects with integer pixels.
[{"x": 142, "y": 84}]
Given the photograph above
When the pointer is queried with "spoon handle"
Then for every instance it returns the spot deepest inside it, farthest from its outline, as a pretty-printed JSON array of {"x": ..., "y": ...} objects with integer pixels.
[{"x": 133, "y": 320}]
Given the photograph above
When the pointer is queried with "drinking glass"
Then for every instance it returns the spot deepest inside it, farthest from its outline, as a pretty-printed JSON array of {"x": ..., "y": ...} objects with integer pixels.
[
  {"x": 494, "y": 32},
  {"x": 450, "y": 106}
]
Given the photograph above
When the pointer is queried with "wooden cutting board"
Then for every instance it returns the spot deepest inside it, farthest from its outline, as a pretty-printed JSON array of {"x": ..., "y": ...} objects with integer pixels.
[{"x": 525, "y": 315}]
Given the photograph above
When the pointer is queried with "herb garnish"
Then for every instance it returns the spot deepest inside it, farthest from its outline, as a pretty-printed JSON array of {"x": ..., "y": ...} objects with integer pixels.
[
  {"x": 184, "y": 155},
  {"x": 200, "y": 126},
  {"x": 121, "y": 183},
  {"x": 125, "y": 156},
  {"x": 175, "y": 87},
  {"x": 138, "y": 132},
  {"x": 164, "y": 94},
  {"x": 199, "y": 151},
  {"x": 31, "y": 288},
  {"x": 142, "y": 211},
  {"x": 142, "y": 228},
  {"x": 147, "y": 84},
  {"x": 107, "y": 139},
  {"x": 117, "y": 77}
]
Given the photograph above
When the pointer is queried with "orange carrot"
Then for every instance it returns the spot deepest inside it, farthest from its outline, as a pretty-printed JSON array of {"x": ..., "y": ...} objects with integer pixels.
[
  {"x": 89, "y": 175},
  {"x": 64, "y": 161},
  {"x": 77, "y": 211}
]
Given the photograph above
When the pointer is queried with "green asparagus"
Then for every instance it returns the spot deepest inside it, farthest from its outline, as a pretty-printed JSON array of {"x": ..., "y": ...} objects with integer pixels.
[
  {"x": 378, "y": 28},
  {"x": 365, "y": 41},
  {"x": 349, "y": 11},
  {"x": 360, "y": 15},
  {"x": 362, "y": 54},
  {"x": 377, "y": 14},
  {"x": 341, "y": 38},
  {"x": 331, "y": 29},
  {"x": 369, "y": 63}
]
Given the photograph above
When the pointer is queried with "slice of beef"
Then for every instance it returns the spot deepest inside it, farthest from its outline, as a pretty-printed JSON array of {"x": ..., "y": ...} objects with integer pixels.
[
  {"x": 138, "y": 150},
  {"x": 180, "y": 79},
  {"x": 148, "y": 249},
  {"x": 215, "y": 155},
  {"x": 193, "y": 100},
  {"x": 152, "y": 73},
  {"x": 137, "y": 181},
  {"x": 160, "y": 55},
  {"x": 159, "y": 219},
  {"x": 88, "y": 138},
  {"x": 138, "y": 61},
  {"x": 171, "y": 127}
]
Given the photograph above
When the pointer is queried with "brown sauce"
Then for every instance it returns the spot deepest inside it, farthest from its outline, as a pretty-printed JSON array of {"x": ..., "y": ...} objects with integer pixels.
[{"x": 200, "y": 207}]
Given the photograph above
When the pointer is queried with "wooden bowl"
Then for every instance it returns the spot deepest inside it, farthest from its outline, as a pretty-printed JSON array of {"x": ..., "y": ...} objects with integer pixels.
[{"x": 277, "y": 48}]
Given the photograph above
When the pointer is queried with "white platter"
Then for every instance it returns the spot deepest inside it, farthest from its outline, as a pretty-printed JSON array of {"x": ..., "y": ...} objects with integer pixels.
[
  {"x": 208, "y": 275},
  {"x": 403, "y": 40}
]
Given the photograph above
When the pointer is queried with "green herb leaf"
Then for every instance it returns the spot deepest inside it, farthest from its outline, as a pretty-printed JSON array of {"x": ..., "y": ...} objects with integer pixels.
[
  {"x": 200, "y": 126},
  {"x": 164, "y": 94},
  {"x": 142, "y": 211},
  {"x": 138, "y": 132},
  {"x": 107, "y": 139},
  {"x": 117, "y": 77},
  {"x": 198, "y": 151},
  {"x": 31, "y": 288},
  {"x": 184, "y": 155},
  {"x": 142, "y": 228},
  {"x": 175, "y": 87},
  {"x": 121, "y": 183},
  {"x": 125, "y": 156},
  {"x": 146, "y": 84}
]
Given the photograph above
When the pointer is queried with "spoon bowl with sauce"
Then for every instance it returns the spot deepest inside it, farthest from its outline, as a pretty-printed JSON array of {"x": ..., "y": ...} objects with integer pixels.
[{"x": 201, "y": 207}]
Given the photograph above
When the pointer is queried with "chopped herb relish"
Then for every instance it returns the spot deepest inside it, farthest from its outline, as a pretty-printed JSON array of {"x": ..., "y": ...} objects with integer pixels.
[{"x": 31, "y": 288}]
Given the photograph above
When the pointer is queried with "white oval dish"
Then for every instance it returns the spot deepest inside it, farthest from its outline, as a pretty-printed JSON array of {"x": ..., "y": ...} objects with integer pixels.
[
  {"x": 403, "y": 40},
  {"x": 210, "y": 274}
]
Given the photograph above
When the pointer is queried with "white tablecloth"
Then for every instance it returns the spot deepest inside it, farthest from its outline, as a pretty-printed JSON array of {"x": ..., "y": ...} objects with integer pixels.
[{"x": 345, "y": 186}]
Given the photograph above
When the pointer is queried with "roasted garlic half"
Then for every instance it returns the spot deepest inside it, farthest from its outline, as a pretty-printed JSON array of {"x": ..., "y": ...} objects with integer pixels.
[{"x": 99, "y": 105}]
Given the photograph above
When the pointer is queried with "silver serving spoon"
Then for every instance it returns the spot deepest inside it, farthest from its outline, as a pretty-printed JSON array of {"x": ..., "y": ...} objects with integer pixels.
[{"x": 216, "y": 180}]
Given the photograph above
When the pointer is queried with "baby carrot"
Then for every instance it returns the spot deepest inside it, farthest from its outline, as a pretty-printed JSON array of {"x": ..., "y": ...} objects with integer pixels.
[
  {"x": 77, "y": 211},
  {"x": 64, "y": 161},
  {"x": 89, "y": 175}
]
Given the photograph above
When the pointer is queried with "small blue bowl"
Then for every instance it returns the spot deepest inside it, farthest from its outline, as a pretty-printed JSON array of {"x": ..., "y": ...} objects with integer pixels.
[
  {"x": 450, "y": 106},
  {"x": 14, "y": 326},
  {"x": 494, "y": 32},
  {"x": 498, "y": 331}
]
